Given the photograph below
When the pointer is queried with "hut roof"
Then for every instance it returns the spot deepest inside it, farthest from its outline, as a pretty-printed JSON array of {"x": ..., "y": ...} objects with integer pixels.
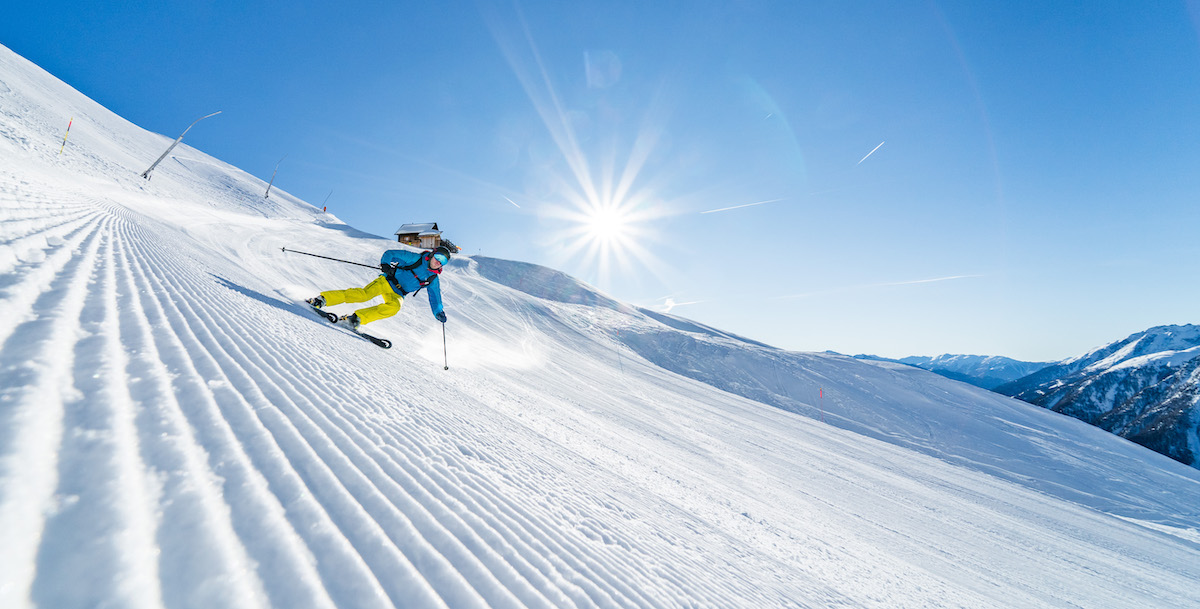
[{"x": 427, "y": 228}]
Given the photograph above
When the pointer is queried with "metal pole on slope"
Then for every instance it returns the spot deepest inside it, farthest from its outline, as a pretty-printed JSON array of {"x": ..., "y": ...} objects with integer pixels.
[
  {"x": 146, "y": 174},
  {"x": 268, "y": 195}
]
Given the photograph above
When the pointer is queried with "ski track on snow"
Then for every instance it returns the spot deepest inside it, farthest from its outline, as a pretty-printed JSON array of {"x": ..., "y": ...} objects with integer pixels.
[
  {"x": 238, "y": 483},
  {"x": 36, "y": 355},
  {"x": 429, "y": 551}
]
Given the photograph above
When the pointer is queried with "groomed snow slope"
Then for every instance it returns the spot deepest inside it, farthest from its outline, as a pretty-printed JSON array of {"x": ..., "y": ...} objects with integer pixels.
[{"x": 177, "y": 430}]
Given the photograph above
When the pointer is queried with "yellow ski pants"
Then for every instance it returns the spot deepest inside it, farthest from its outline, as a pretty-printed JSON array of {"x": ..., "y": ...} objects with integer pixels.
[{"x": 379, "y": 287}]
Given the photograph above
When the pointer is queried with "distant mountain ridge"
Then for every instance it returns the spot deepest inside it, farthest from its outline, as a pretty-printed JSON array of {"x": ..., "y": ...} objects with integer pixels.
[
  {"x": 986, "y": 371},
  {"x": 1145, "y": 388}
]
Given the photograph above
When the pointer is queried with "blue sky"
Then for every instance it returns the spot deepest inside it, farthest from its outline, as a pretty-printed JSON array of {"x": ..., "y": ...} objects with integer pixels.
[{"x": 1035, "y": 193}]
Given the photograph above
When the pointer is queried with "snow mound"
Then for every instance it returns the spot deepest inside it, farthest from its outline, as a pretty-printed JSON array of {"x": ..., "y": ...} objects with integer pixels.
[{"x": 542, "y": 282}]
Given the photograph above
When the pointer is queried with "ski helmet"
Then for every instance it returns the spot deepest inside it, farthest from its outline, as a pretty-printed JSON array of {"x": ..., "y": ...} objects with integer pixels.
[{"x": 442, "y": 253}]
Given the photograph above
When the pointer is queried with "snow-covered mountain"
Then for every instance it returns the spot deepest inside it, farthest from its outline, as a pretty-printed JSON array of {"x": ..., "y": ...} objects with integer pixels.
[
  {"x": 1145, "y": 388},
  {"x": 177, "y": 429},
  {"x": 987, "y": 371}
]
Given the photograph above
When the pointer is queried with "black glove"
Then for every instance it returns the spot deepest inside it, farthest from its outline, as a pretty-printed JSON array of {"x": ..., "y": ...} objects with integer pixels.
[
  {"x": 388, "y": 269},
  {"x": 441, "y": 317}
]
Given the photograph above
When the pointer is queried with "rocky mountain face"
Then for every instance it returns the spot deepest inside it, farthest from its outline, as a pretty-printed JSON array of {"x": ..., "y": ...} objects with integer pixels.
[{"x": 1145, "y": 388}]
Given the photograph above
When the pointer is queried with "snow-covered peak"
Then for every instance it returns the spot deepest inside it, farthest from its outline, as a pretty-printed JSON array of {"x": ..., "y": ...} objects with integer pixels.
[
  {"x": 1154, "y": 340},
  {"x": 1167, "y": 358},
  {"x": 987, "y": 371},
  {"x": 1141, "y": 388},
  {"x": 975, "y": 365}
]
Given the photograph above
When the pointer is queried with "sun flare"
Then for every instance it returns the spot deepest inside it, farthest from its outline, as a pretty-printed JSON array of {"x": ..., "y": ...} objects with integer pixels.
[
  {"x": 608, "y": 236},
  {"x": 606, "y": 223}
]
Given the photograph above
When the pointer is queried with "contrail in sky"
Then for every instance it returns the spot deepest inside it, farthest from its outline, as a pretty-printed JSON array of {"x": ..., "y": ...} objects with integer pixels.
[
  {"x": 511, "y": 201},
  {"x": 926, "y": 280},
  {"x": 842, "y": 290},
  {"x": 713, "y": 211},
  {"x": 871, "y": 152}
]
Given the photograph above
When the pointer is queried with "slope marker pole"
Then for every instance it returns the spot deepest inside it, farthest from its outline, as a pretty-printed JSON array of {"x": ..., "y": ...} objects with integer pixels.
[{"x": 64, "y": 144}]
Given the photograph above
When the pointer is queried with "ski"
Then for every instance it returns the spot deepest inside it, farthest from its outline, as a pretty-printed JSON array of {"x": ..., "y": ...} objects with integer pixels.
[
  {"x": 330, "y": 317},
  {"x": 379, "y": 342},
  {"x": 334, "y": 319}
]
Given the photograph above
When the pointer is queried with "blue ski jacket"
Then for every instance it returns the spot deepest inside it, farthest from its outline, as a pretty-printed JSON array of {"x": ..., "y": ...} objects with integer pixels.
[{"x": 405, "y": 281}]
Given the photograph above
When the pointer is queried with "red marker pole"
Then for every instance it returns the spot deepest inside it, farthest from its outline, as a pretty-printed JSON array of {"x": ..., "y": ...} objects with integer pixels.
[
  {"x": 64, "y": 144},
  {"x": 822, "y": 390}
]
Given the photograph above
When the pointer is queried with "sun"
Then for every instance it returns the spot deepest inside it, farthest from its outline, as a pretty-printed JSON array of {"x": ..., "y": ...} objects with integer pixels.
[
  {"x": 607, "y": 223},
  {"x": 606, "y": 232}
]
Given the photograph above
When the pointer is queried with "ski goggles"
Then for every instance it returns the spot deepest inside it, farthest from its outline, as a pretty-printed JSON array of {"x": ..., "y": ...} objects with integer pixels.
[{"x": 441, "y": 258}]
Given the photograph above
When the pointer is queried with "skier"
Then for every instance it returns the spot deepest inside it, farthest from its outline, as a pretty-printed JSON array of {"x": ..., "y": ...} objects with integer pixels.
[{"x": 404, "y": 273}]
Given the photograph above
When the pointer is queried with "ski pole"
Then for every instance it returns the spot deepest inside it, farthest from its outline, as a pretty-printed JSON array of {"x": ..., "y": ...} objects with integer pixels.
[
  {"x": 444, "y": 353},
  {"x": 328, "y": 258}
]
